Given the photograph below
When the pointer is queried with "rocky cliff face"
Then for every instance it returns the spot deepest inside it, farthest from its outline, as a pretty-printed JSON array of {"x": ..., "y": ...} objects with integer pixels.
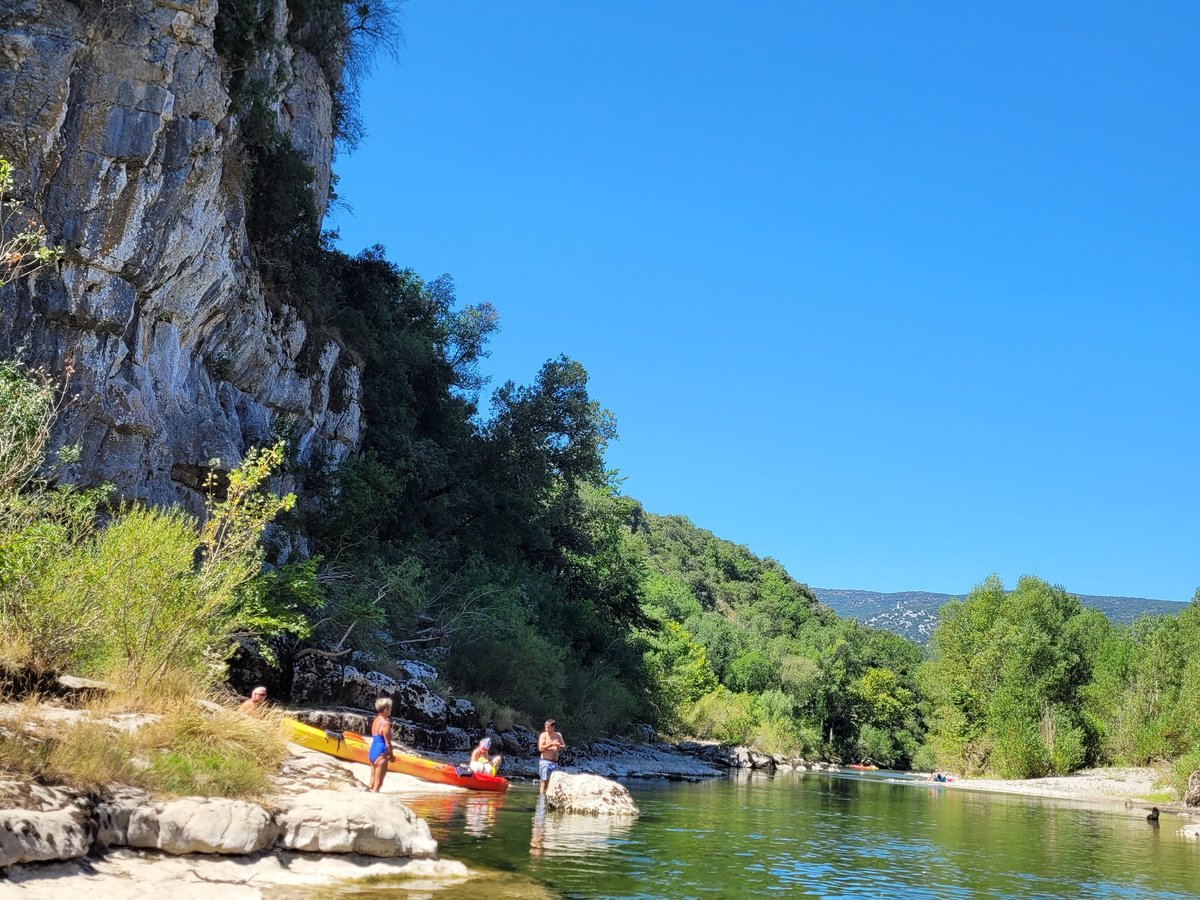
[{"x": 118, "y": 117}]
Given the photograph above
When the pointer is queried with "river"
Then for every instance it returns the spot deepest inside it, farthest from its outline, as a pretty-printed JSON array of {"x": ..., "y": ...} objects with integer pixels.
[{"x": 814, "y": 835}]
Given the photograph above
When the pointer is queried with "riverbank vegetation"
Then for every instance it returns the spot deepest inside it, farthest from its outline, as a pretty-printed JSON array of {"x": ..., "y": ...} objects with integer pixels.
[
  {"x": 1029, "y": 683},
  {"x": 150, "y": 601}
]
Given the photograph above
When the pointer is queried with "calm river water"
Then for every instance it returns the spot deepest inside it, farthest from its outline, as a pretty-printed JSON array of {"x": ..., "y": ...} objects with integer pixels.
[{"x": 814, "y": 835}]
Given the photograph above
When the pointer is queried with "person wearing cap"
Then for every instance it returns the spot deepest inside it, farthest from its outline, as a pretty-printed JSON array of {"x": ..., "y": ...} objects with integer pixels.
[
  {"x": 480, "y": 763},
  {"x": 549, "y": 743}
]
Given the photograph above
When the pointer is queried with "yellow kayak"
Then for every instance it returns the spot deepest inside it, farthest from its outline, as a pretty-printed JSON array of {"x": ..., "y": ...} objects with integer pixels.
[
  {"x": 356, "y": 748},
  {"x": 331, "y": 742}
]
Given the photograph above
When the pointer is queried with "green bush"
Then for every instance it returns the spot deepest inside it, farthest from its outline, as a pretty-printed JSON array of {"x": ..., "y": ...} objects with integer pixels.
[
  {"x": 1066, "y": 740},
  {"x": 1183, "y": 767},
  {"x": 1018, "y": 751},
  {"x": 151, "y": 592},
  {"x": 724, "y": 716}
]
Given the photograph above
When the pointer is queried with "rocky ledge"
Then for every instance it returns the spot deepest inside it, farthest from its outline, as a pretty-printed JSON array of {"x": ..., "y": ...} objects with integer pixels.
[
  {"x": 318, "y": 809},
  {"x": 125, "y": 874}
]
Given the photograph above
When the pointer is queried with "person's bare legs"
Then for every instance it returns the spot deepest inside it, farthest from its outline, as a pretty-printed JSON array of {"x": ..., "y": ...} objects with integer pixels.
[{"x": 378, "y": 770}]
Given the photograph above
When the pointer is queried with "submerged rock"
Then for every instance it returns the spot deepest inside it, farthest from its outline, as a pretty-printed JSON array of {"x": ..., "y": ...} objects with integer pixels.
[{"x": 589, "y": 794}]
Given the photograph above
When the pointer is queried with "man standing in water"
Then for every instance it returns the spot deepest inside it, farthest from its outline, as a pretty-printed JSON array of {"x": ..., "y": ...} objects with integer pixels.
[{"x": 549, "y": 743}]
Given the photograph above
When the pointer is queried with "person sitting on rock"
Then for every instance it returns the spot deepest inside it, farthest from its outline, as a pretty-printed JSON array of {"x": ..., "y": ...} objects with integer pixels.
[
  {"x": 258, "y": 697},
  {"x": 480, "y": 763}
]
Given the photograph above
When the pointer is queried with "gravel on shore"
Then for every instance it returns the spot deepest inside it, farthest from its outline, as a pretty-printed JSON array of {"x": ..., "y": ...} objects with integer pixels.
[{"x": 1131, "y": 785}]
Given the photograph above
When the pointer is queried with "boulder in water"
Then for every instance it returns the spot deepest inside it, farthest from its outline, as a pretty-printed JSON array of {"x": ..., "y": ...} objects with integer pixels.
[{"x": 589, "y": 794}]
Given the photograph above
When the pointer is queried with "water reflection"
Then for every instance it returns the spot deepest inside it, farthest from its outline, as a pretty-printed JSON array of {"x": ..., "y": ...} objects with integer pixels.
[
  {"x": 479, "y": 811},
  {"x": 481, "y": 814},
  {"x": 558, "y": 834}
]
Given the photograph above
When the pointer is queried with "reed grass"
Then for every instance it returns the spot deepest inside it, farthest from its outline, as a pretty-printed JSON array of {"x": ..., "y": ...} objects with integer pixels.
[{"x": 187, "y": 745}]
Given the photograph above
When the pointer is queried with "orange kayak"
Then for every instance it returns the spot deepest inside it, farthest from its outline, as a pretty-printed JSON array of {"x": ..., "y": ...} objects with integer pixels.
[
  {"x": 356, "y": 748},
  {"x": 428, "y": 770}
]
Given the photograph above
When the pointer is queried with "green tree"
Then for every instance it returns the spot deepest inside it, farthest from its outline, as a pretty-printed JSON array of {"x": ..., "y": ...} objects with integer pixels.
[{"x": 1008, "y": 677}]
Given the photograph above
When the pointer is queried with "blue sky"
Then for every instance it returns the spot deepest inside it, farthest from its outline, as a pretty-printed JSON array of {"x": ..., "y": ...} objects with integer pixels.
[{"x": 901, "y": 294}]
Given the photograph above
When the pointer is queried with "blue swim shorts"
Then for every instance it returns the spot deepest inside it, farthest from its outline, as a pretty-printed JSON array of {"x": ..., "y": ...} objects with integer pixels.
[{"x": 545, "y": 767}]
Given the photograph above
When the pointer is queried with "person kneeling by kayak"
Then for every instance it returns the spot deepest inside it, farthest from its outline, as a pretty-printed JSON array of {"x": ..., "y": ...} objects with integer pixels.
[{"x": 480, "y": 763}]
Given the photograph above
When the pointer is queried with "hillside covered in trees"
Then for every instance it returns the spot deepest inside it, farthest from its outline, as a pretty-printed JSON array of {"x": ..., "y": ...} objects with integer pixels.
[
  {"x": 481, "y": 529},
  {"x": 914, "y": 614}
]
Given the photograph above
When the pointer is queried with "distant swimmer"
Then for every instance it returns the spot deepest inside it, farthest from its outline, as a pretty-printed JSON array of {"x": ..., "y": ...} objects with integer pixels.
[{"x": 1153, "y": 815}]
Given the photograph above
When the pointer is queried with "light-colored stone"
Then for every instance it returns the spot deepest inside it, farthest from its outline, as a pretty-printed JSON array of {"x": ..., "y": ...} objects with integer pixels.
[
  {"x": 748, "y": 758},
  {"x": 362, "y": 688},
  {"x": 126, "y": 149},
  {"x": 419, "y": 670},
  {"x": 615, "y": 758},
  {"x": 418, "y": 704},
  {"x": 113, "y": 812},
  {"x": 202, "y": 825},
  {"x": 589, "y": 794},
  {"x": 39, "y": 823},
  {"x": 137, "y": 874},
  {"x": 342, "y": 822},
  {"x": 1191, "y": 832},
  {"x": 310, "y": 770}
]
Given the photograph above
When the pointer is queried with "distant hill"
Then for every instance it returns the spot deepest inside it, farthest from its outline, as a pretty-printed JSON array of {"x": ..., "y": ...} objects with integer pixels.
[{"x": 913, "y": 614}]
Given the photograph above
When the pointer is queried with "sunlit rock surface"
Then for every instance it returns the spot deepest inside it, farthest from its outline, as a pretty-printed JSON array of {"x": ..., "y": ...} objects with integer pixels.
[
  {"x": 589, "y": 794},
  {"x": 118, "y": 119}
]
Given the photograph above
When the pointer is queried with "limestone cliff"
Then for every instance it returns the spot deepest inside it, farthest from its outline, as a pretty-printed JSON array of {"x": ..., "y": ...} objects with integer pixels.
[{"x": 117, "y": 114}]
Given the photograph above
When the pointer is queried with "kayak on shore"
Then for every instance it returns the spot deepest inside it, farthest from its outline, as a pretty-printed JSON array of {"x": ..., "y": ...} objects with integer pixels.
[{"x": 354, "y": 747}]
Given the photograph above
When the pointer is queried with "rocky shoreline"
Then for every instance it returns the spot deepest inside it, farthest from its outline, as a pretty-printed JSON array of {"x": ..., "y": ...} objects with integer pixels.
[
  {"x": 339, "y": 696},
  {"x": 322, "y": 826}
]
